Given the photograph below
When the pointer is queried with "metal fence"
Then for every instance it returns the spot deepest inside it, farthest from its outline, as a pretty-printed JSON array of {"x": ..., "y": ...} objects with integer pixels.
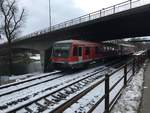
[
  {"x": 129, "y": 70},
  {"x": 127, "y": 5}
]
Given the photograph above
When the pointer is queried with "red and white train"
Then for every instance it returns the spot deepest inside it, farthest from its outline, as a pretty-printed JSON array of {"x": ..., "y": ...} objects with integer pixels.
[{"x": 78, "y": 53}]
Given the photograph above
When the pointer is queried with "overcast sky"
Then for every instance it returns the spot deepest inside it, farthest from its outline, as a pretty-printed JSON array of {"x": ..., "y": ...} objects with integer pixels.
[{"x": 62, "y": 10}]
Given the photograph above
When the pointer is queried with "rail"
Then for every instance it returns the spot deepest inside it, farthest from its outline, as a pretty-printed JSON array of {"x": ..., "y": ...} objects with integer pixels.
[
  {"x": 28, "y": 80},
  {"x": 127, "y": 5}
]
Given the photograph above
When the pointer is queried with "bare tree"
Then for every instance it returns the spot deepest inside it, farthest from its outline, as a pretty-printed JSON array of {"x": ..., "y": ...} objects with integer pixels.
[{"x": 12, "y": 21}]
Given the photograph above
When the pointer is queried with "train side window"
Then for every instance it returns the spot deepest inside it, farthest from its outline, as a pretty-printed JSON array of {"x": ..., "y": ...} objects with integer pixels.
[
  {"x": 80, "y": 51},
  {"x": 75, "y": 51},
  {"x": 87, "y": 51}
]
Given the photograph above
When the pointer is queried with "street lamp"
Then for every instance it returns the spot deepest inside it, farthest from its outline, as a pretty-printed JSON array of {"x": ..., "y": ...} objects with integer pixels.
[{"x": 50, "y": 14}]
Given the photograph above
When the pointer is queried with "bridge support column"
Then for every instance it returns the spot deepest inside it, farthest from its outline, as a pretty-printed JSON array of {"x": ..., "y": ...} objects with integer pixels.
[
  {"x": 45, "y": 62},
  {"x": 42, "y": 56}
]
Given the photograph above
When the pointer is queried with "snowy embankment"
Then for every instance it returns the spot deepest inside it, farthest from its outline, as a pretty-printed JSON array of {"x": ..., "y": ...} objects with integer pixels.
[{"x": 130, "y": 99}]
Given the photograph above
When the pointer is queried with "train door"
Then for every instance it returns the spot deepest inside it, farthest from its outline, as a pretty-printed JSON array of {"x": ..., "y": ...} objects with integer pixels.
[
  {"x": 88, "y": 53},
  {"x": 80, "y": 51}
]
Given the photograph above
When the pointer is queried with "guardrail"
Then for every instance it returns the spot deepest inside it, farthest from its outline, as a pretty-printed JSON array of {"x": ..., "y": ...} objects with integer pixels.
[
  {"x": 134, "y": 65},
  {"x": 130, "y": 4}
]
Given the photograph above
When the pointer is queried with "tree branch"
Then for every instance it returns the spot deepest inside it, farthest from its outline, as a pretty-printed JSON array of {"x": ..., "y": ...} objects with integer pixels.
[
  {"x": 17, "y": 22},
  {"x": 10, "y": 7}
]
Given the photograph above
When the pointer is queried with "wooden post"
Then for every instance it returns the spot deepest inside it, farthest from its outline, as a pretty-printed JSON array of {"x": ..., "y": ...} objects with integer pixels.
[
  {"x": 89, "y": 16},
  {"x": 80, "y": 20},
  {"x": 114, "y": 8},
  {"x": 100, "y": 13},
  {"x": 107, "y": 93},
  {"x": 133, "y": 67},
  {"x": 138, "y": 62},
  {"x": 130, "y": 3},
  {"x": 125, "y": 75}
]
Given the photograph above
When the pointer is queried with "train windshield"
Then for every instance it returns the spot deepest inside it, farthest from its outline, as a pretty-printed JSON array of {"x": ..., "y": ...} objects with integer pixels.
[{"x": 61, "y": 50}]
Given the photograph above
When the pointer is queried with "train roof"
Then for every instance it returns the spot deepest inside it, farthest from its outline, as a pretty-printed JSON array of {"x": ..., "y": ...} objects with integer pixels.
[{"x": 76, "y": 42}]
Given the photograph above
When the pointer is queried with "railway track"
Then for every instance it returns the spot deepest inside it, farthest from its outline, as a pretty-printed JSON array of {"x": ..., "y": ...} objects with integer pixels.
[
  {"x": 27, "y": 97},
  {"x": 34, "y": 81},
  {"x": 51, "y": 96},
  {"x": 14, "y": 87},
  {"x": 28, "y": 80}
]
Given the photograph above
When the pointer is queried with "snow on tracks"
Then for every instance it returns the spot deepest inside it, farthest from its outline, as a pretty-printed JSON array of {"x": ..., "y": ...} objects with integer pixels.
[{"x": 41, "y": 90}]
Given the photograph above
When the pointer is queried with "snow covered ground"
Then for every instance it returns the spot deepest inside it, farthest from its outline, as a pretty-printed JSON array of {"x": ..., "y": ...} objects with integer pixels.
[{"x": 131, "y": 97}]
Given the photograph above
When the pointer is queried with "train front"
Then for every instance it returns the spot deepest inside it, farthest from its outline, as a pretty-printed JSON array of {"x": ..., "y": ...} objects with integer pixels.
[{"x": 60, "y": 55}]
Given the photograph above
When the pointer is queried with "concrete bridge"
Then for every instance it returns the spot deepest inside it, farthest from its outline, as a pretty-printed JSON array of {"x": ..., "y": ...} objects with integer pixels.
[{"x": 124, "y": 20}]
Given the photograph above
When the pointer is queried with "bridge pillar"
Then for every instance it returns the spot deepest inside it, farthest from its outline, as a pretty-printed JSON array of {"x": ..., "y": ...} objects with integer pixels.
[
  {"x": 42, "y": 57},
  {"x": 47, "y": 64},
  {"x": 45, "y": 60}
]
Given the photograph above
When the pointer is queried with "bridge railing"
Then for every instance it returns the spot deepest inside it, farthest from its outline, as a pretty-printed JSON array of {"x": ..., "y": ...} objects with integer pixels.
[{"x": 91, "y": 16}]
